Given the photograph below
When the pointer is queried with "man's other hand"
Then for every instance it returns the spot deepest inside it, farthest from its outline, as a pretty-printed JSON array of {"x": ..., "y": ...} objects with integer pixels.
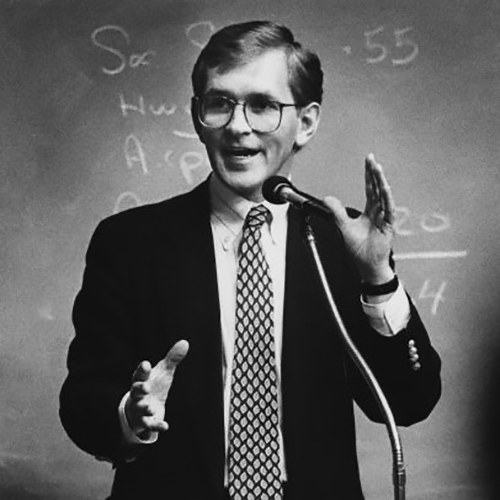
[{"x": 145, "y": 408}]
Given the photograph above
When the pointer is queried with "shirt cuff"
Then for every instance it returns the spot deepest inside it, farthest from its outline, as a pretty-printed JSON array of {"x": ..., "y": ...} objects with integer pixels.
[
  {"x": 390, "y": 317},
  {"x": 129, "y": 435}
]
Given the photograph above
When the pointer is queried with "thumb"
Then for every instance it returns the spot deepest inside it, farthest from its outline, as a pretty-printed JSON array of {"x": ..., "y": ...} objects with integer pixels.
[
  {"x": 338, "y": 210},
  {"x": 176, "y": 354},
  {"x": 163, "y": 372}
]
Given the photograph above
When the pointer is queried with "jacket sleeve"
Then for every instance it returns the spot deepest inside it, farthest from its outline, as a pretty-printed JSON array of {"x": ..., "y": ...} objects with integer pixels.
[
  {"x": 102, "y": 355},
  {"x": 412, "y": 390}
]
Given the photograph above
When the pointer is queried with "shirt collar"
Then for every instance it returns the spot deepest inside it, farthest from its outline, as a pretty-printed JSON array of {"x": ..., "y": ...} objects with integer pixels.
[{"x": 230, "y": 210}]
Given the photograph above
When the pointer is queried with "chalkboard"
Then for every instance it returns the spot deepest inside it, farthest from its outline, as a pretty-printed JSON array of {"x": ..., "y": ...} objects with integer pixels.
[{"x": 95, "y": 120}]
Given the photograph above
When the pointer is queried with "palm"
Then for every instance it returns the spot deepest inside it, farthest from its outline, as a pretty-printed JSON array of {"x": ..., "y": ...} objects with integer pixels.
[
  {"x": 160, "y": 381},
  {"x": 368, "y": 242},
  {"x": 369, "y": 237}
]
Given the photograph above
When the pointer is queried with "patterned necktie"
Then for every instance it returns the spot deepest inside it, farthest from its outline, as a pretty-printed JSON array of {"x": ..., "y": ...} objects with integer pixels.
[{"x": 254, "y": 459}]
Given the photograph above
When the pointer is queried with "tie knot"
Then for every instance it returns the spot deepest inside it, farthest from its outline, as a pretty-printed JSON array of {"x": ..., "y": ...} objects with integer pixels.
[{"x": 257, "y": 216}]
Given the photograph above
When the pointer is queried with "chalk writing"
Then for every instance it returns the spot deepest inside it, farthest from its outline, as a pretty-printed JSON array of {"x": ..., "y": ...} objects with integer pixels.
[
  {"x": 199, "y": 33},
  {"x": 450, "y": 254},
  {"x": 433, "y": 222},
  {"x": 375, "y": 46},
  {"x": 134, "y": 153},
  {"x": 437, "y": 295},
  {"x": 402, "y": 219},
  {"x": 141, "y": 107},
  {"x": 125, "y": 201},
  {"x": 185, "y": 135},
  {"x": 167, "y": 155},
  {"x": 133, "y": 60},
  {"x": 402, "y": 42},
  {"x": 406, "y": 47},
  {"x": 189, "y": 163}
]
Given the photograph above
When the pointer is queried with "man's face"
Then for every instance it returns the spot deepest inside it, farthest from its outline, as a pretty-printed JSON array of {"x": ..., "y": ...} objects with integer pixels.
[{"x": 241, "y": 158}]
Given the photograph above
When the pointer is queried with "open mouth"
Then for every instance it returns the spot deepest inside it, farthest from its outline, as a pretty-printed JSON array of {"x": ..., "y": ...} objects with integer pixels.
[{"x": 241, "y": 153}]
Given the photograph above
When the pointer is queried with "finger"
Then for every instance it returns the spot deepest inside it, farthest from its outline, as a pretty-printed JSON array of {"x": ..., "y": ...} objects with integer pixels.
[
  {"x": 374, "y": 207},
  {"x": 145, "y": 408},
  {"x": 338, "y": 210},
  {"x": 149, "y": 425},
  {"x": 136, "y": 413},
  {"x": 386, "y": 196},
  {"x": 142, "y": 372},
  {"x": 371, "y": 187},
  {"x": 139, "y": 390},
  {"x": 176, "y": 354},
  {"x": 157, "y": 426}
]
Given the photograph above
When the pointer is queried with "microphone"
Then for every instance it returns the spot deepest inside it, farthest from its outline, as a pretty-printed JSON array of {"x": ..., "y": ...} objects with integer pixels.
[{"x": 279, "y": 190}]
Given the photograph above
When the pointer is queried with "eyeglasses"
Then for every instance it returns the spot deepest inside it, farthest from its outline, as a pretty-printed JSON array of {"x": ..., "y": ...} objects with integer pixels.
[{"x": 262, "y": 115}]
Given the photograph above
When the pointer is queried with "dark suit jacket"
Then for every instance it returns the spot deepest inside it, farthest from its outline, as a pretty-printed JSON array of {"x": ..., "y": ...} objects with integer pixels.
[{"x": 150, "y": 280}]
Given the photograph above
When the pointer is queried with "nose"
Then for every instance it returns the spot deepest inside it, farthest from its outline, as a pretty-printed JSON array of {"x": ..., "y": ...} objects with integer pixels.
[{"x": 238, "y": 122}]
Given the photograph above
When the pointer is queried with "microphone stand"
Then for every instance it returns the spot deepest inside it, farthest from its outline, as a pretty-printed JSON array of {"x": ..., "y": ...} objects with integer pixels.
[{"x": 399, "y": 475}]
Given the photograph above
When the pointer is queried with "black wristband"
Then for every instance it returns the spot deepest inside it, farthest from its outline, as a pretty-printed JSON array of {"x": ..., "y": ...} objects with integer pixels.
[{"x": 383, "y": 289}]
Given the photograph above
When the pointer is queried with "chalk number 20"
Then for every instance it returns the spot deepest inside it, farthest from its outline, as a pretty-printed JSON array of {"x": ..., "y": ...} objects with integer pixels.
[{"x": 381, "y": 51}]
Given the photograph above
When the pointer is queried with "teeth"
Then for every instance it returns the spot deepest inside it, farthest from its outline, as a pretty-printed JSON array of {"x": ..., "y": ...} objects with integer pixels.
[{"x": 243, "y": 153}]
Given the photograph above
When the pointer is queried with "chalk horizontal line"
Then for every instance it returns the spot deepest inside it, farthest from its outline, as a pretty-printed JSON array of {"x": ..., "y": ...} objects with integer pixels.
[{"x": 458, "y": 254}]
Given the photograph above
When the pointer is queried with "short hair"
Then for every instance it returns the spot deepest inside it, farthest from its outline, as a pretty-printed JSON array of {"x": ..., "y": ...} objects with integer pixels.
[{"x": 238, "y": 44}]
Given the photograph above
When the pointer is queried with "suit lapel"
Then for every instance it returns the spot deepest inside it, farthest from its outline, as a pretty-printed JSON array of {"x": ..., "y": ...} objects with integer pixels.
[
  {"x": 188, "y": 280},
  {"x": 297, "y": 335},
  {"x": 305, "y": 348}
]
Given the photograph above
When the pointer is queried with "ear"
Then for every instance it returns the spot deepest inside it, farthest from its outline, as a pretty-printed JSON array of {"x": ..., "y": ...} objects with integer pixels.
[
  {"x": 308, "y": 124},
  {"x": 194, "y": 118}
]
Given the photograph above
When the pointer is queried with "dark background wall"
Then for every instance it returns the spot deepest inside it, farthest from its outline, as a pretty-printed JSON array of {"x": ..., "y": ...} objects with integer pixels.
[{"x": 94, "y": 120}]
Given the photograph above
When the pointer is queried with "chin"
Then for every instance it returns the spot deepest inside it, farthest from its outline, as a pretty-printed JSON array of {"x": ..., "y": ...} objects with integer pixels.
[{"x": 247, "y": 186}]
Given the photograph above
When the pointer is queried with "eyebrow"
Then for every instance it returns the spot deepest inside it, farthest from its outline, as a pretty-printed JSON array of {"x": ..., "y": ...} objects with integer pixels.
[{"x": 250, "y": 95}]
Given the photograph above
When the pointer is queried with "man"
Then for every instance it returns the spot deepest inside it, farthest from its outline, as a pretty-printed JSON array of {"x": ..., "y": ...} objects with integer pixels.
[{"x": 205, "y": 363}]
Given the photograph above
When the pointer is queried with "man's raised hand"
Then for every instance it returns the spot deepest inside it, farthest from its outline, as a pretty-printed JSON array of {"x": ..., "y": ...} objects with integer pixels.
[{"x": 369, "y": 237}]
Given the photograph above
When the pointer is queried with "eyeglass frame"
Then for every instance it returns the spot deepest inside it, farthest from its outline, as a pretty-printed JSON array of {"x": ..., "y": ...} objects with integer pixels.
[{"x": 234, "y": 102}]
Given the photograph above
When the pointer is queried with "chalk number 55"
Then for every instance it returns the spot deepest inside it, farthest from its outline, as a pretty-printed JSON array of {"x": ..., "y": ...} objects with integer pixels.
[{"x": 401, "y": 41}]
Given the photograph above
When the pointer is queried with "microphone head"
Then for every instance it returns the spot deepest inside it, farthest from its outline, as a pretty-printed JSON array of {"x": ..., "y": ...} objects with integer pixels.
[{"x": 272, "y": 187}]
